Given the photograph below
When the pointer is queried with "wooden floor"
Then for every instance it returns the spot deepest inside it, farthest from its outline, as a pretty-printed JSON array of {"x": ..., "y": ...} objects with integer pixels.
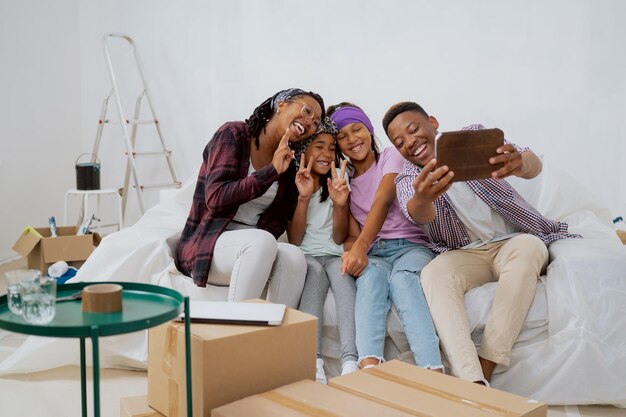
[{"x": 58, "y": 390}]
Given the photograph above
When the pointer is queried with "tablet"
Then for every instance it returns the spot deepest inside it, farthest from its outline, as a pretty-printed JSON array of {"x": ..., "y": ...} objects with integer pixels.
[
  {"x": 467, "y": 152},
  {"x": 222, "y": 312}
]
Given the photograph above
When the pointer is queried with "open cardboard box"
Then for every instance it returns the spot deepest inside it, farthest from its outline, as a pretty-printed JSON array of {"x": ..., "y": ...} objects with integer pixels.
[{"x": 42, "y": 250}]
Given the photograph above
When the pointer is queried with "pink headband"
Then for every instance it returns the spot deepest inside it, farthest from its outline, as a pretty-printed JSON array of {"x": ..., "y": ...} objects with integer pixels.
[{"x": 348, "y": 114}]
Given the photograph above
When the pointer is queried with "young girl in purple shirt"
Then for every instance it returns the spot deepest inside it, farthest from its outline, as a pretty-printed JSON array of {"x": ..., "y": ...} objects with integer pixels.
[{"x": 384, "y": 251}]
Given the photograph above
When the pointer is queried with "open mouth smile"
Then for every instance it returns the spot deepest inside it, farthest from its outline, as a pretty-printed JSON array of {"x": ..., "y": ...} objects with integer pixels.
[
  {"x": 419, "y": 150},
  {"x": 300, "y": 127}
]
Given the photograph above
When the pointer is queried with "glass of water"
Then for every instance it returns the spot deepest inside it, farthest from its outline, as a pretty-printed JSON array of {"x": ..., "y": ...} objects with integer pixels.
[
  {"x": 39, "y": 300},
  {"x": 14, "y": 279}
]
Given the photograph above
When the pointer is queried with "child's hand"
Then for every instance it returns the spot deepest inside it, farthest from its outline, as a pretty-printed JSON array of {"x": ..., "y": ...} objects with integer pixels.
[
  {"x": 304, "y": 180},
  {"x": 283, "y": 154},
  {"x": 354, "y": 261},
  {"x": 338, "y": 190},
  {"x": 431, "y": 182}
]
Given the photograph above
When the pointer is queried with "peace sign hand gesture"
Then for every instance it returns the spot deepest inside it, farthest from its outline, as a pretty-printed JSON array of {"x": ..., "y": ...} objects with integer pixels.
[
  {"x": 283, "y": 154},
  {"x": 338, "y": 190},
  {"x": 304, "y": 180}
]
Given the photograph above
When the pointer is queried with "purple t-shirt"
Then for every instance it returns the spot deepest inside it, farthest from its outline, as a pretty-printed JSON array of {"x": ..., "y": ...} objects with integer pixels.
[{"x": 363, "y": 189}]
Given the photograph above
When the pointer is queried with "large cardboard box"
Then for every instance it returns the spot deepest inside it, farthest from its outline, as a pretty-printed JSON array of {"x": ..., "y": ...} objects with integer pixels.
[
  {"x": 43, "y": 250},
  {"x": 229, "y": 362},
  {"x": 305, "y": 399},
  {"x": 429, "y": 394},
  {"x": 137, "y": 407}
]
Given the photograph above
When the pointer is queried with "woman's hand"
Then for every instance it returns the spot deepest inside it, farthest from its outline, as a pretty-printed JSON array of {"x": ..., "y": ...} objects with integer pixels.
[
  {"x": 283, "y": 154},
  {"x": 304, "y": 180},
  {"x": 338, "y": 190}
]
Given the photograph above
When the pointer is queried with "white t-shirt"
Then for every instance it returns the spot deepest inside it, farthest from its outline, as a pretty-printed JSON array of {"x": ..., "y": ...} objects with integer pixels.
[
  {"x": 318, "y": 235},
  {"x": 482, "y": 223},
  {"x": 250, "y": 212}
]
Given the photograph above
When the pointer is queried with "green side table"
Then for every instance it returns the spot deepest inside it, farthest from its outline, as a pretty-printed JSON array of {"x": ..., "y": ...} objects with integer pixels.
[{"x": 143, "y": 306}]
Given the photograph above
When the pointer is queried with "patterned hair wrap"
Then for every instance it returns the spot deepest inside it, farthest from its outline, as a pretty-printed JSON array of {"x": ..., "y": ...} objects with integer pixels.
[
  {"x": 285, "y": 95},
  {"x": 344, "y": 116},
  {"x": 327, "y": 126}
]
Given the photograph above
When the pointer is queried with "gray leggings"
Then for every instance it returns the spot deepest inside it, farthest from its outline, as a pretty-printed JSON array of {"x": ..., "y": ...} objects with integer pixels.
[{"x": 322, "y": 272}]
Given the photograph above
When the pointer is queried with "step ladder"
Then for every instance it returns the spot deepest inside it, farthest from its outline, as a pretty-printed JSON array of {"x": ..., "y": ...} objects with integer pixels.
[{"x": 129, "y": 129}]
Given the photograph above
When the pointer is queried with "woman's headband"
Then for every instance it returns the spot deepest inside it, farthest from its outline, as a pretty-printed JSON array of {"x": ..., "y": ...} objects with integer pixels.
[
  {"x": 344, "y": 116},
  {"x": 285, "y": 95}
]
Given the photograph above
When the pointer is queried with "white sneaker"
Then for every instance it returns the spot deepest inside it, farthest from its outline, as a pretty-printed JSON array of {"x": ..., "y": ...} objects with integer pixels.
[
  {"x": 349, "y": 366},
  {"x": 320, "y": 375}
]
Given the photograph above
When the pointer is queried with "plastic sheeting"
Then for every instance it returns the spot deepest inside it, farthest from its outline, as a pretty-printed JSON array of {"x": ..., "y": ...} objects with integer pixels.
[{"x": 572, "y": 349}]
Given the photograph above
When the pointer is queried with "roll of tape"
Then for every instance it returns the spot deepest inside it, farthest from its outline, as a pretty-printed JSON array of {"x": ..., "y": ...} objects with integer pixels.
[{"x": 102, "y": 298}]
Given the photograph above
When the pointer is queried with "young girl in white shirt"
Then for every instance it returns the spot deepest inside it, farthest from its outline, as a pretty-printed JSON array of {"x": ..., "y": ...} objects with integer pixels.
[{"x": 320, "y": 226}]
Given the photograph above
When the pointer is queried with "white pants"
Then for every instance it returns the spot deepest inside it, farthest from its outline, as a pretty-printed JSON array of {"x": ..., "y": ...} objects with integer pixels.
[{"x": 244, "y": 260}]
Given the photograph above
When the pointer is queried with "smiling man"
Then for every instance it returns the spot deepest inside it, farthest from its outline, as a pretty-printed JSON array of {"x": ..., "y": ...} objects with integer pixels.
[{"x": 483, "y": 231}]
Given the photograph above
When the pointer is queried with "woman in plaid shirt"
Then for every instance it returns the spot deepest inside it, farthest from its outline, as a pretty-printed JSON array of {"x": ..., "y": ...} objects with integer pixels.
[{"x": 244, "y": 196}]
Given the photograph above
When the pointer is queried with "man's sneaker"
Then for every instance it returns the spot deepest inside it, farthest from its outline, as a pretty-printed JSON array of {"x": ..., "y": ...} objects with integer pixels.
[
  {"x": 320, "y": 375},
  {"x": 349, "y": 367}
]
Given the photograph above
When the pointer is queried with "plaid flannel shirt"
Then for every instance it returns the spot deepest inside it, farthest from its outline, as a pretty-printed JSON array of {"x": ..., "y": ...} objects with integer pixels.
[
  {"x": 223, "y": 185},
  {"x": 447, "y": 231}
]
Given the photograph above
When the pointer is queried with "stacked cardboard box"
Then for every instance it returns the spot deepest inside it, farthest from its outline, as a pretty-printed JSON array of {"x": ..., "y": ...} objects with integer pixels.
[
  {"x": 307, "y": 398},
  {"x": 137, "y": 407},
  {"x": 391, "y": 389},
  {"x": 229, "y": 362}
]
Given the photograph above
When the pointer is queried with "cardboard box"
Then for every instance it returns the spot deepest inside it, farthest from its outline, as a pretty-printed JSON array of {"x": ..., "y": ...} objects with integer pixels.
[
  {"x": 137, "y": 407},
  {"x": 622, "y": 235},
  {"x": 43, "y": 250},
  {"x": 229, "y": 362},
  {"x": 305, "y": 399},
  {"x": 429, "y": 394}
]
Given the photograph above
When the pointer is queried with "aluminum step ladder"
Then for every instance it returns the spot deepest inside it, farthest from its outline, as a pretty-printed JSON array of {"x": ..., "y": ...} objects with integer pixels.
[{"x": 129, "y": 129}]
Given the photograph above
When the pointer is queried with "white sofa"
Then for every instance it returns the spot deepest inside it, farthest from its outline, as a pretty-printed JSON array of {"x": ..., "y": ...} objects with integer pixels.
[{"x": 572, "y": 349}]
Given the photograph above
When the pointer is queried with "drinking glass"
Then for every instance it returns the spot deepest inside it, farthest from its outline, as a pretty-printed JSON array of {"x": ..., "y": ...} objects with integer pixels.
[
  {"x": 39, "y": 300},
  {"x": 14, "y": 279}
]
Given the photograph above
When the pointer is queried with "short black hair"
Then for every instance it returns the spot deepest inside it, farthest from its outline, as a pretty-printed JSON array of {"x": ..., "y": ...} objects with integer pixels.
[{"x": 401, "y": 107}]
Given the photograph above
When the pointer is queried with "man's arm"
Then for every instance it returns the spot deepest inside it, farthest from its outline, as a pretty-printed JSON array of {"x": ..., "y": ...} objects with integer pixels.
[
  {"x": 523, "y": 164},
  {"x": 417, "y": 193}
]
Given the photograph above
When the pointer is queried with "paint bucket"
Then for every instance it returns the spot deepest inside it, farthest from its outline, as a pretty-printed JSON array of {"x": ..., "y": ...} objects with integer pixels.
[{"x": 87, "y": 172}]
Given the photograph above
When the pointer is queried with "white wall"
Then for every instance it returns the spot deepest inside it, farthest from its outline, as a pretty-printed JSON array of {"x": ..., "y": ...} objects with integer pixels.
[
  {"x": 40, "y": 113},
  {"x": 552, "y": 74}
]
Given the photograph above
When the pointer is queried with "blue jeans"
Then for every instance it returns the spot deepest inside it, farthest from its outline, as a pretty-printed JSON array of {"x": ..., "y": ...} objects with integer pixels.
[{"x": 392, "y": 275}]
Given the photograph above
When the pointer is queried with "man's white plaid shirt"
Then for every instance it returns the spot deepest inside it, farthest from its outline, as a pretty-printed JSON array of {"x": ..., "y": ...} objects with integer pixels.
[{"x": 447, "y": 231}]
